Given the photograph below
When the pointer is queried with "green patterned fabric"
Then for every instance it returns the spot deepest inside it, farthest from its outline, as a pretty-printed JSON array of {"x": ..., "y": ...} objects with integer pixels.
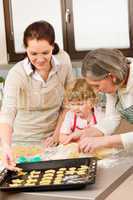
[{"x": 126, "y": 113}]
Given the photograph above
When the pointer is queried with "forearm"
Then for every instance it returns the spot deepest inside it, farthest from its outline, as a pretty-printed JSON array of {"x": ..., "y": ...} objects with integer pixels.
[
  {"x": 90, "y": 132},
  {"x": 127, "y": 140},
  {"x": 94, "y": 132},
  {"x": 113, "y": 141},
  {"x": 63, "y": 138},
  {"x": 59, "y": 123},
  {"x": 6, "y": 140},
  {"x": 5, "y": 134}
]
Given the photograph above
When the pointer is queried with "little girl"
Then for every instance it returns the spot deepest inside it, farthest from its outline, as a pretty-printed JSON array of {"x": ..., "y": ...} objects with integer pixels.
[{"x": 80, "y": 99}]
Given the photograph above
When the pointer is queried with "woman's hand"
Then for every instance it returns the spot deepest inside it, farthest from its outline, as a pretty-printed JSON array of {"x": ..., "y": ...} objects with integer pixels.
[
  {"x": 90, "y": 132},
  {"x": 91, "y": 144},
  {"x": 7, "y": 158}
]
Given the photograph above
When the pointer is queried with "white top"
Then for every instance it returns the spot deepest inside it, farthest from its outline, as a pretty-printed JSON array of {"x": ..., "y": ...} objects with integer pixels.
[{"x": 112, "y": 116}]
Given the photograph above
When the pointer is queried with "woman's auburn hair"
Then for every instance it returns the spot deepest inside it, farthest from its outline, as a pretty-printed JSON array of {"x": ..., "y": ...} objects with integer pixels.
[{"x": 40, "y": 30}]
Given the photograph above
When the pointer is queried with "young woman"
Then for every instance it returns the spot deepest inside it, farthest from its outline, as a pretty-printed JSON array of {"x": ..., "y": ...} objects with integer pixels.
[
  {"x": 34, "y": 91},
  {"x": 109, "y": 71}
]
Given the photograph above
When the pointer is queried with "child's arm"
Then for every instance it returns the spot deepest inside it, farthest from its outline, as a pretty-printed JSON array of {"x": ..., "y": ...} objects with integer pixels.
[
  {"x": 65, "y": 139},
  {"x": 89, "y": 132},
  {"x": 73, "y": 137},
  {"x": 65, "y": 131}
]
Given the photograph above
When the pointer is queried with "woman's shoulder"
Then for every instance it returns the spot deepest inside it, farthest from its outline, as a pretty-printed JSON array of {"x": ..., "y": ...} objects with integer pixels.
[
  {"x": 62, "y": 56},
  {"x": 18, "y": 67},
  {"x": 63, "y": 53},
  {"x": 64, "y": 66},
  {"x": 17, "y": 71}
]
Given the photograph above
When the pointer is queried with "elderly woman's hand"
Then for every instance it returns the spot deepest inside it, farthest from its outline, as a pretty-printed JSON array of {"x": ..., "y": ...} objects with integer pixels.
[
  {"x": 90, "y": 132},
  {"x": 91, "y": 144}
]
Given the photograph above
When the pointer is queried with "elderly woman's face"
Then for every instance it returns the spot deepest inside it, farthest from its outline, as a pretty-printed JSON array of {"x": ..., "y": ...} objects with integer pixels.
[
  {"x": 105, "y": 85},
  {"x": 39, "y": 53}
]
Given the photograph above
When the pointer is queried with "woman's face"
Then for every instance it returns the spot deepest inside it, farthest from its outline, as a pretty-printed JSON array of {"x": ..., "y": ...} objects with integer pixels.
[
  {"x": 39, "y": 53},
  {"x": 105, "y": 85}
]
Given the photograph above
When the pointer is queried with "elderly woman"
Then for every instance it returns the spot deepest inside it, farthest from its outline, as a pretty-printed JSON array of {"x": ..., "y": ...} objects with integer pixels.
[
  {"x": 34, "y": 91},
  {"x": 110, "y": 72}
]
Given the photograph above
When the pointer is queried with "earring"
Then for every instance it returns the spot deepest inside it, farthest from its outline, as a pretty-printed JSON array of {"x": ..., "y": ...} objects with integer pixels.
[{"x": 114, "y": 80}]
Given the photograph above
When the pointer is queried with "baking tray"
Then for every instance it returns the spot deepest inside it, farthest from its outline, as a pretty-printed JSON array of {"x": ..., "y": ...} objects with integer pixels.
[{"x": 76, "y": 174}]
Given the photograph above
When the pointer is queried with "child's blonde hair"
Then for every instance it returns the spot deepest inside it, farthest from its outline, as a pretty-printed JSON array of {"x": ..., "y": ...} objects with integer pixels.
[{"x": 80, "y": 90}]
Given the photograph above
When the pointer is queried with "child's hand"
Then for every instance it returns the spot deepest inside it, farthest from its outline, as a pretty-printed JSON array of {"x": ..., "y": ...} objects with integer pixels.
[
  {"x": 50, "y": 141},
  {"x": 76, "y": 135},
  {"x": 66, "y": 139},
  {"x": 73, "y": 137}
]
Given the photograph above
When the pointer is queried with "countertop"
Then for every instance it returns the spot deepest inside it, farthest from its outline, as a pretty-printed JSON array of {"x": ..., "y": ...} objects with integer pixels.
[{"x": 110, "y": 177}]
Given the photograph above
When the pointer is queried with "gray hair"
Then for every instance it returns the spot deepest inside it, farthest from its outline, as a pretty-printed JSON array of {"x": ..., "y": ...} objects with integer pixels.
[{"x": 98, "y": 63}]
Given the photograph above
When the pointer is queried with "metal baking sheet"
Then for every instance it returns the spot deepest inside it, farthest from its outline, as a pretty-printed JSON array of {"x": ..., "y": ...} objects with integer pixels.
[{"x": 73, "y": 177}]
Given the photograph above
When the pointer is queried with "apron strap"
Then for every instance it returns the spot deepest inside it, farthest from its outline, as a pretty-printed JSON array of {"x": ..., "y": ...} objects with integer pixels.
[
  {"x": 94, "y": 116},
  {"x": 74, "y": 122}
]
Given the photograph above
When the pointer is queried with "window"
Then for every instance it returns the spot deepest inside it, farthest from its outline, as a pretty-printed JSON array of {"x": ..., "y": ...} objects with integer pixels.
[
  {"x": 19, "y": 14},
  {"x": 79, "y": 25},
  {"x": 93, "y": 24}
]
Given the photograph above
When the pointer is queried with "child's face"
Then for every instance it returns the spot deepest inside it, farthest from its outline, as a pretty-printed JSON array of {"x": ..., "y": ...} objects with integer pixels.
[{"x": 82, "y": 108}]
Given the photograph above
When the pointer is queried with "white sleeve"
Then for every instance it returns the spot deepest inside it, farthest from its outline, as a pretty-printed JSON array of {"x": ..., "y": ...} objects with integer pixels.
[
  {"x": 111, "y": 119},
  {"x": 67, "y": 123},
  {"x": 9, "y": 104},
  {"x": 127, "y": 140}
]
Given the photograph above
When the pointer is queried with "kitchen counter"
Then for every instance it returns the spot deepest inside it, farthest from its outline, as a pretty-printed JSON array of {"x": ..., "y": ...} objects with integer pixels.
[
  {"x": 124, "y": 191},
  {"x": 109, "y": 178}
]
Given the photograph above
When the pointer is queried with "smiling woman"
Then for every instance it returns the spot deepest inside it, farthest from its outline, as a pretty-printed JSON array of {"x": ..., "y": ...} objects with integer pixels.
[
  {"x": 109, "y": 71},
  {"x": 34, "y": 91},
  {"x": 105, "y": 69},
  {"x": 39, "y": 53}
]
